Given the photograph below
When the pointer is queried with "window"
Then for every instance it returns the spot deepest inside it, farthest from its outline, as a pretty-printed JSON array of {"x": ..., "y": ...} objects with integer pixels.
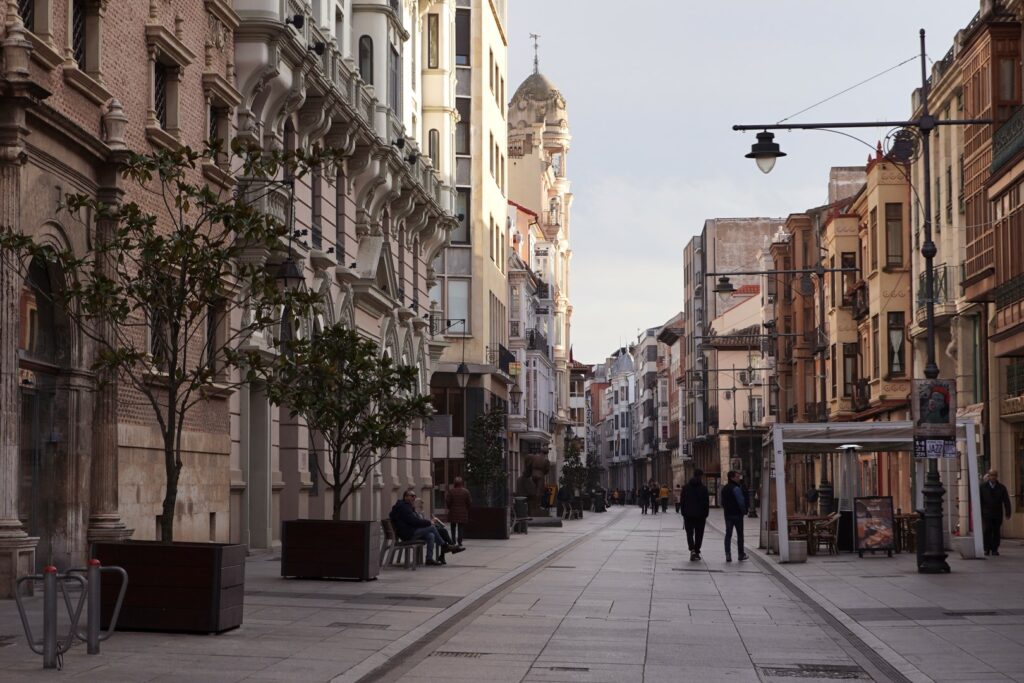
[
  {"x": 395, "y": 81},
  {"x": 317, "y": 192},
  {"x": 78, "y": 33},
  {"x": 897, "y": 342},
  {"x": 832, "y": 293},
  {"x": 215, "y": 317},
  {"x": 433, "y": 145},
  {"x": 849, "y": 369},
  {"x": 457, "y": 300},
  {"x": 158, "y": 342},
  {"x": 27, "y": 10},
  {"x": 366, "y": 59},
  {"x": 160, "y": 78},
  {"x": 462, "y": 37},
  {"x": 875, "y": 348},
  {"x": 493, "y": 157},
  {"x": 490, "y": 235},
  {"x": 339, "y": 26},
  {"x": 433, "y": 41},
  {"x": 462, "y": 206},
  {"x": 490, "y": 71},
  {"x": 894, "y": 235},
  {"x": 834, "y": 361},
  {"x": 340, "y": 182},
  {"x": 462, "y": 138},
  {"x": 873, "y": 237},
  {"x": 848, "y": 259}
]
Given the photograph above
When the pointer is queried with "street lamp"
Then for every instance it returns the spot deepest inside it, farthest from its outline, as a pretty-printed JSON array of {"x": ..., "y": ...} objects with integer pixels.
[
  {"x": 765, "y": 153},
  {"x": 515, "y": 394}
]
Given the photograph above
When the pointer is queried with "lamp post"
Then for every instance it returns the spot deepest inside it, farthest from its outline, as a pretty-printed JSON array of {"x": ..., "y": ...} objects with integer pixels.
[{"x": 765, "y": 151}]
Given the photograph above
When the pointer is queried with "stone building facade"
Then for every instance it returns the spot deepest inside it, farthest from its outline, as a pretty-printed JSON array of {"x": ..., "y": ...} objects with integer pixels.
[{"x": 76, "y": 94}]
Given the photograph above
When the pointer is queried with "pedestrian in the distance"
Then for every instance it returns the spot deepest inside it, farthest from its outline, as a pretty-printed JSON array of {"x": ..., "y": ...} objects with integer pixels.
[
  {"x": 458, "y": 501},
  {"x": 644, "y": 496},
  {"x": 679, "y": 499},
  {"x": 995, "y": 503},
  {"x": 652, "y": 489},
  {"x": 695, "y": 506},
  {"x": 734, "y": 505},
  {"x": 663, "y": 497}
]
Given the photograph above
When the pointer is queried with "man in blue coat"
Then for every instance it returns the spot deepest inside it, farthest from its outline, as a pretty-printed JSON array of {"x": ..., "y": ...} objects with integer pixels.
[{"x": 734, "y": 505}]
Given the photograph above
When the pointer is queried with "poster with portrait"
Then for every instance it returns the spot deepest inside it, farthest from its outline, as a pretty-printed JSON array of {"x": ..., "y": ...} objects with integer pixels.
[
  {"x": 875, "y": 523},
  {"x": 933, "y": 408}
]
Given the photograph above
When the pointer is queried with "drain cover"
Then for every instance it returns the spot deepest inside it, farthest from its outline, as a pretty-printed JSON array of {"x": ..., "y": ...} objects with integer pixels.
[
  {"x": 560, "y": 566},
  {"x": 569, "y": 668},
  {"x": 468, "y": 655},
  {"x": 972, "y": 613},
  {"x": 838, "y": 672},
  {"x": 426, "y": 598},
  {"x": 349, "y": 624}
]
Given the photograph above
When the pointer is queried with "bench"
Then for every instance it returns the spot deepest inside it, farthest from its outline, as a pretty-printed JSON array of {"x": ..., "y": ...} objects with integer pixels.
[{"x": 410, "y": 553}]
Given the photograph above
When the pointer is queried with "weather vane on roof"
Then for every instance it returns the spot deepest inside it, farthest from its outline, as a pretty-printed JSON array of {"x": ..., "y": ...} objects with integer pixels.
[{"x": 536, "y": 61}]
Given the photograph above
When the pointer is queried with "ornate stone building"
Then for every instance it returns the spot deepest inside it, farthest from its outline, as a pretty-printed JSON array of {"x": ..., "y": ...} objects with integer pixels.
[{"x": 366, "y": 78}]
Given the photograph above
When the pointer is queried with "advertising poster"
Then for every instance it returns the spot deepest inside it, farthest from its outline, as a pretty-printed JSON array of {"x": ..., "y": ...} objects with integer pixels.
[
  {"x": 933, "y": 407},
  {"x": 875, "y": 523}
]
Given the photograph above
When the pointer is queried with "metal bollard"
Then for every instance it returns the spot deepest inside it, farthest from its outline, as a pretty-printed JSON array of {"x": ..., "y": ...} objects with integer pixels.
[
  {"x": 50, "y": 618},
  {"x": 92, "y": 626}
]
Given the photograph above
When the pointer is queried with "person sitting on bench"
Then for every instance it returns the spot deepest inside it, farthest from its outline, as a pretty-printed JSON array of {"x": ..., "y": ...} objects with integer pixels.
[{"x": 409, "y": 526}]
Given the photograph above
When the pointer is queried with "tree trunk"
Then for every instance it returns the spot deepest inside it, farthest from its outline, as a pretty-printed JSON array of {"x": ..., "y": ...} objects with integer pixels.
[
  {"x": 337, "y": 504},
  {"x": 170, "y": 494}
]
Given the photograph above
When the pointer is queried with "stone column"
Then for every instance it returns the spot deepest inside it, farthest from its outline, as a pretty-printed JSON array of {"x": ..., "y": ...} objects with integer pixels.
[
  {"x": 105, "y": 523},
  {"x": 17, "y": 549}
]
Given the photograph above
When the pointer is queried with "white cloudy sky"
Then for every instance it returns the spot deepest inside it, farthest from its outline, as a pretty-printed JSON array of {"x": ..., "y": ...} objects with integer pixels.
[{"x": 653, "y": 88}]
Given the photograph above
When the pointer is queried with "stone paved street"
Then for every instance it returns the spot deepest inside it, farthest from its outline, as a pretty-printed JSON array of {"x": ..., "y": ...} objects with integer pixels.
[{"x": 610, "y": 598}]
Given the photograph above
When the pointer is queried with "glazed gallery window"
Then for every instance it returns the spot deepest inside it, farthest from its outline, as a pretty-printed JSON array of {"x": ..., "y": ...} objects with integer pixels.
[
  {"x": 875, "y": 347},
  {"x": 462, "y": 37},
  {"x": 433, "y": 41},
  {"x": 395, "y": 81},
  {"x": 848, "y": 259},
  {"x": 894, "y": 235},
  {"x": 366, "y": 59},
  {"x": 849, "y": 369},
  {"x": 462, "y": 203},
  {"x": 897, "y": 343},
  {"x": 873, "y": 237},
  {"x": 462, "y": 139},
  {"x": 457, "y": 300}
]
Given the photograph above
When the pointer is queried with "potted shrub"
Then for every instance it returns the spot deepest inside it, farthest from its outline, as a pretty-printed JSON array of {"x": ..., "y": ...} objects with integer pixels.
[
  {"x": 161, "y": 296},
  {"x": 358, "y": 405},
  {"x": 574, "y": 471},
  {"x": 485, "y": 474}
]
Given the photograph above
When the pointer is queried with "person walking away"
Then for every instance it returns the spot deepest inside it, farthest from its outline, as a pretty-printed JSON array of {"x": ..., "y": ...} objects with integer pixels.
[
  {"x": 458, "y": 501},
  {"x": 734, "y": 505},
  {"x": 644, "y": 497},
  {"x": 995, "y": 503},
  {"x": 564, "y": 497},
  {"x": 652, "y": 493},
  {"x": 695, "y": 506},
  {"x": 663, "y": 496},
  {"x": 679, "y": 500}
]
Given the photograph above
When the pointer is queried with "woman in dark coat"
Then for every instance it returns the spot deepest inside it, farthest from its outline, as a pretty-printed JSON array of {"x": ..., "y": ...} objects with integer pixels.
[
  {"x": 458, "y": 501},
  {"x": 695, "y": 507}
]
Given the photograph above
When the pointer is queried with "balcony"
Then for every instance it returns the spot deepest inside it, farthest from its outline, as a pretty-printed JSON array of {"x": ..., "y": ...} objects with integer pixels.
[
  {"x": 1010, "y": 291},
  {"x": 537, "y": 341},
  {"x": 861, "y": 306},
  {"x": 1008, "y": 140},
  {"x": 945, "y": 290},
  {"x": 514, "y": 329},
  {"x": 861, "y": 394}
]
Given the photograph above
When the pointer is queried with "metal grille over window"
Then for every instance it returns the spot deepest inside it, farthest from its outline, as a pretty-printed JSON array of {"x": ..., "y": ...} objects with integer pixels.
[
  {"x": 78, "y": 31},
  {"x": 27, "y": 10},
  {"x": 160, "y": 93}
]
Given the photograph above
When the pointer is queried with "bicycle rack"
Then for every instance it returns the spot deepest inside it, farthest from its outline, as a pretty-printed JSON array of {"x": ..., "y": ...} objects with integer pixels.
[{"x": 52, "y": 648}]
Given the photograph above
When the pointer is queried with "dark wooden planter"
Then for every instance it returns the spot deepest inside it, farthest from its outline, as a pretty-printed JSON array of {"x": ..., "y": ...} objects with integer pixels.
[
  {"x": 322, "y": 548},
  {"x": 488, "y": 523},
  {"x": 187, "y": 587}
]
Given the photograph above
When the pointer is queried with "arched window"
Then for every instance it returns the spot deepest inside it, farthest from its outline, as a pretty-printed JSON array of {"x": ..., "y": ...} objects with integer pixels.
[
  {"x": 434, "y": 147},
  {"x": 39, "y": 332},
  {"x": 366, "y": 59}
]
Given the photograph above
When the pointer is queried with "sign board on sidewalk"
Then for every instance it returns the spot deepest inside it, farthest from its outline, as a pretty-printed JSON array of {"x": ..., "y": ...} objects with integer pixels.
[{"x": 875, "y": 523}]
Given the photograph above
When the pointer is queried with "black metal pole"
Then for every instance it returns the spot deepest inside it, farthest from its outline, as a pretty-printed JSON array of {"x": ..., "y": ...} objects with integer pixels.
[{"x": 933, "y": 560}]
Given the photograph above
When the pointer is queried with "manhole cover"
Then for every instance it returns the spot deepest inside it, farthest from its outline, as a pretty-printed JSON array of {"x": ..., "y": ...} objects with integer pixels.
[
  {"x": 347, "y": 624},
  {"x": 569, "y": 668},
  {"x": 972, "y": 613},
  {"x": 838, "y": 672},
  {"x": 467, "y": 655},
  {"x": 560, "y": 566}
]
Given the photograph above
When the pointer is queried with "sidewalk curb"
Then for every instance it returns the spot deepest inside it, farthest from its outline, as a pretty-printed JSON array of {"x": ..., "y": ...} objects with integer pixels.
[
  {"x": 893, "y": 658},
  {"x": 411, "y": 639}
]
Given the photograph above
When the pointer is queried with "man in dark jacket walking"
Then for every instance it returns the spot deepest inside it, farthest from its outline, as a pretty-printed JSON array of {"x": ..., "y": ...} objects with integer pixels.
[
  {"x": 694, "y": 504},
  {"x": 995, "y": 502},
  {"x": 644, "y": 498},
  {"x": 458, "y": 501},
  {"x": 734, "y": 505}
]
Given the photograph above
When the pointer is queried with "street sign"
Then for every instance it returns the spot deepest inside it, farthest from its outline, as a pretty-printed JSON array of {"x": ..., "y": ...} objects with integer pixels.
[{"x": 934, "y": 448}]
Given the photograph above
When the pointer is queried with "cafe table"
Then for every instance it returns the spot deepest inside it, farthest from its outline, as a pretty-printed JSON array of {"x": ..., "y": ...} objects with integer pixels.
[{"x": 807, "y": 527}]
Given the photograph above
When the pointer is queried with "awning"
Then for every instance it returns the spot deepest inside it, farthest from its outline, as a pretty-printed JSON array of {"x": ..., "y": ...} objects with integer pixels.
[{"x": 824, "y": 437}]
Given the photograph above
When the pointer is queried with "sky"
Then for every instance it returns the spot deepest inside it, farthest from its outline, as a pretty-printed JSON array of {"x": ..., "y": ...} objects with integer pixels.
[{"x": 653, "y": 88}]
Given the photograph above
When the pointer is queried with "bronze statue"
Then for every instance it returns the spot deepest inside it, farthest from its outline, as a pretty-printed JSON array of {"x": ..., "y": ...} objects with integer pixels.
[{"x": 531, "y": 483}]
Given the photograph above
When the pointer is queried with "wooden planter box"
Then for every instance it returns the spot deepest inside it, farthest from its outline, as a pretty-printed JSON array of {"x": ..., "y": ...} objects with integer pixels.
[
  {"x": 189, "y": 587},
  {"x": 488, "y": 523},
  {"x": 323, "y": 548}
]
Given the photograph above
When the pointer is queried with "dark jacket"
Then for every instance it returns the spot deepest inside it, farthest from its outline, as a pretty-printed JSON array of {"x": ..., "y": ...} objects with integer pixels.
[
  {"x": 695, "y": 497},
  {"x": 403, "y": 516},
  {"x": 458, "y": 501},
  {"x": 734, "y": 503},
  {"x": 564, "y": 494},
  {"x": 995, "y": 500}
]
